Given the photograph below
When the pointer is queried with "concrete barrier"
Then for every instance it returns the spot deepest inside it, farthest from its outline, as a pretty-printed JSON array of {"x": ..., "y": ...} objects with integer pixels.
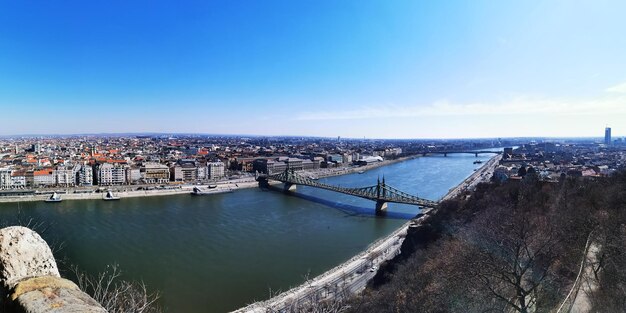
[{"x": 30, "y": 277}]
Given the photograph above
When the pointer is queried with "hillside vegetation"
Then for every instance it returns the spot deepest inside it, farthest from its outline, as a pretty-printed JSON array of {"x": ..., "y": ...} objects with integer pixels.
[{"x": 512, "y": 247}]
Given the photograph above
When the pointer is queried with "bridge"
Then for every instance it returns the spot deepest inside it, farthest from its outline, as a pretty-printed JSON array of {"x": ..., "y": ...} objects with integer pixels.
[
  {"x": 381, "y": 192},
  {"x": 474, "y": 152}
]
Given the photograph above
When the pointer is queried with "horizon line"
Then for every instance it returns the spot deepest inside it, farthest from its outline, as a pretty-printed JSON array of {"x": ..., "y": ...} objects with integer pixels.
[{"x": 152, "y": 133}]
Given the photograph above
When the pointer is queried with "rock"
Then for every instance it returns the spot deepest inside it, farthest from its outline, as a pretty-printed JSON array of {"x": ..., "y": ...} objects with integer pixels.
[
  {"x": 24, "y": 254},
  {"x": 53, "y": 295},
  {"x": 30, "y": 277}
]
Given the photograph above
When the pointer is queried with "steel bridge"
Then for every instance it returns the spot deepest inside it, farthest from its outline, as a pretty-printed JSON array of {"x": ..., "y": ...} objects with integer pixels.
[
  {"x": 381, "y": 192},
  {"x": 474, "y": 152}
]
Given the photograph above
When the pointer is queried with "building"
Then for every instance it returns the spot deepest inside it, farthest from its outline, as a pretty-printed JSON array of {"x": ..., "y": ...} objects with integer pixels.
[
  {"x": 85, "y": 175},
  {"x": 18, "y": 179},
  {"x": 201, "y": 172},
  {"x": 111, "y": 174},
  {"x": 155, "y": 173},
  {"x": 5, "y": 178},
  {"x": 364, "y": 160},
  {"x": 184, "y": 170},
  {"x": 133, "y": 174},
  {"x": 293, "y": 163},
  {"x": 607, "y": 136},
  {"x": 346, "y": 158},
  {"x": 215, "y": 170},
  {"x": 43, "y": 178},
  {"x": 335, "y": 158},
  {"x": 263, "y": 166},
  {"x": 64, "y": 176}
]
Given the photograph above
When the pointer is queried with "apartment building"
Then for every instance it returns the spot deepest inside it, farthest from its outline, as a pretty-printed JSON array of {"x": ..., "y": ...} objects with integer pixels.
[
  {"x": 111, "y": 174},
  {"x": 215, "y": 170}
]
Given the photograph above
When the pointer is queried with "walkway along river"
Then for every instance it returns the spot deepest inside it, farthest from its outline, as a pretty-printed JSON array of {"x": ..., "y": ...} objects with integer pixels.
[{"x": 218, "y": 253}]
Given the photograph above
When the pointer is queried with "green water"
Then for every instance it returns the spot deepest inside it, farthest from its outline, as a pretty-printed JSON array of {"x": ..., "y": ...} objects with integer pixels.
[{"x": 217, "y": 253}]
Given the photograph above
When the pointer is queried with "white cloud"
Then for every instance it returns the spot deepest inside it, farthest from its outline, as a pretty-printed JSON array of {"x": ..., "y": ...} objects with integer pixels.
[
  {"x": 621, "y": 88},
  {"x": 518, "y": 106}
]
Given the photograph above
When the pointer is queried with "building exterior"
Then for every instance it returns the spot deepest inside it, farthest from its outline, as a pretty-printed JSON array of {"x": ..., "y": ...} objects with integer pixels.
[
  {"x": 308, "y": 165},
  {"x": 607, "y": 136},
  {"x": 64, "y": 176},
  {"x": 335, "y": 158},
  {"x": 133, "y": 174},
  {"x": 293, "y": 163},
  {"x": 155, "y": 173},
  {"x": 111, "y": 174},
  {"x": 85, "y": 175},
  {"x": 44, "y": 178},
  {"x": 184, "y": 170},
  {"x": 215, "y": 170},
  {"x": 5, "y": 178},
  {"x": 18, "y": 179}
]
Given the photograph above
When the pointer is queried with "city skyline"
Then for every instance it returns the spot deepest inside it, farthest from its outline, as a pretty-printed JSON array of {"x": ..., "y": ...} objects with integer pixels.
[{"x": 468, "y": 69}]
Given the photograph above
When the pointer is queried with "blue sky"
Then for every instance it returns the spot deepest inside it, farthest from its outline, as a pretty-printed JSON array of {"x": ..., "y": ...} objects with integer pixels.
[{"x": 375, "y": 69}]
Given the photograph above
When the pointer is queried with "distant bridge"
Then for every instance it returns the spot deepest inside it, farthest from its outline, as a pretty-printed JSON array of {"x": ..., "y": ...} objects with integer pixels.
[
  {"x": 474, "y": 152},
  {"x": 381, "y": 192}
]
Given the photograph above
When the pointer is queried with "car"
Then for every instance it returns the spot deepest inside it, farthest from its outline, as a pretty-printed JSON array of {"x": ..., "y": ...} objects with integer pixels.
[{"x": 373, "y": 269}]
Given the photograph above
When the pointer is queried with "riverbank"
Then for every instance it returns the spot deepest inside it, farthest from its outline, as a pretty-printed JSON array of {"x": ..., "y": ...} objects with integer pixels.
[
  {"x": 351, "y": 276},
  {"x": 329, "y": 172},
  {"x": 125, "y": 191}
]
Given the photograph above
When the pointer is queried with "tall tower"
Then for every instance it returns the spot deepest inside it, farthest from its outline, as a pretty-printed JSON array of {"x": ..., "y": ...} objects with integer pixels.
[{"x": 607, "y": 136}]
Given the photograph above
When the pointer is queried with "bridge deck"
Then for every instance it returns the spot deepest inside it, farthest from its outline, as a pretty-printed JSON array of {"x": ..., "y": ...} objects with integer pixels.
[{"x": 380, "y": 192}]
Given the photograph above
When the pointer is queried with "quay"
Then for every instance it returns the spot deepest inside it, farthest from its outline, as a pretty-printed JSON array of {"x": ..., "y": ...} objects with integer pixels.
[{"x": 351, "y": 276}]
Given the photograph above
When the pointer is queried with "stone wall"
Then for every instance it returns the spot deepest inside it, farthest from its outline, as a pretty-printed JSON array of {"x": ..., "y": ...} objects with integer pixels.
[{"x": 30, "y": 279}]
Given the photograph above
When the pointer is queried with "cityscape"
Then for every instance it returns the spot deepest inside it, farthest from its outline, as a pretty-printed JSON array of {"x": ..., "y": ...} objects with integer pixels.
[
  {"x": 38, "y": 163},
  {"x": 312, "y": 156}
]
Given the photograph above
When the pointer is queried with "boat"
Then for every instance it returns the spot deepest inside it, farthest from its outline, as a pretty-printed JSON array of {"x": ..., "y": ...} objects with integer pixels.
[
  {"x": 478, "y": 162},
  {"x": 54, "y": 198},
  {"x": 109, "y": 196},
  {"x": 212, "y": 186},
  {"x": 361, "y": 172},
  {"x": 199, "y": 192}
]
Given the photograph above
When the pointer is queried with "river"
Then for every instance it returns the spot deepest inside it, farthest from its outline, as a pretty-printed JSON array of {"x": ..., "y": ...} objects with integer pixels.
[{"x": 217, "y": 253}]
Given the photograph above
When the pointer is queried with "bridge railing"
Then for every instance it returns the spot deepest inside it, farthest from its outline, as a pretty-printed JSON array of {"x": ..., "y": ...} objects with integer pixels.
[{"x": 379, "y": 192}]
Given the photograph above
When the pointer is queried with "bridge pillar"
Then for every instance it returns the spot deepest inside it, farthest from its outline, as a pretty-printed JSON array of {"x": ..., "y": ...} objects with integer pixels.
[
  {"x": 476, "y": 154},
  {"x": 381, "y": 206},
  {"x": 289, "y": 187},
  {"x": 263, "y": 182},
  {"x": 445, "y": 154}
]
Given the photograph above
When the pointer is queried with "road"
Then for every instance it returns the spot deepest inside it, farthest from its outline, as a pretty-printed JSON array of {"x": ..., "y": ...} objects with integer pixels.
[{"x": 352, "y": 276}]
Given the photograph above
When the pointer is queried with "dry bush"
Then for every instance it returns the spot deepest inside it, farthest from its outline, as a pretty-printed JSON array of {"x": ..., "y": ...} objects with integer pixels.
[{"x": 115, "y": 294}]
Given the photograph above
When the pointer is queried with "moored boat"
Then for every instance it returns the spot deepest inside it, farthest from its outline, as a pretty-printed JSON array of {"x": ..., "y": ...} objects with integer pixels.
[
  {"x": 199, "y": 192},
  {"x": 54, "y": 198},
  {"x": 110, "y": 196}
]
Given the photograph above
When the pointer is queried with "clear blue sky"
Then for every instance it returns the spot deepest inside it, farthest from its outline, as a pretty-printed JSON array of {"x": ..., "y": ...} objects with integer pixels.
[{"x": 384, "y": 69}]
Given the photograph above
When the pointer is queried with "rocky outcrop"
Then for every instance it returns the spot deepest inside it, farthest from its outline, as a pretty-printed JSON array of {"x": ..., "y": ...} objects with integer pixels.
[{"x": 30, "y": 277}]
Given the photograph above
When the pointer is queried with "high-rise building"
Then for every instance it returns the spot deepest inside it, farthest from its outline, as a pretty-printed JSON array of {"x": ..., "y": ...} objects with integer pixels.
[
  {"x": 607, "y": 136},
  {"x": 215, "y": 170}
]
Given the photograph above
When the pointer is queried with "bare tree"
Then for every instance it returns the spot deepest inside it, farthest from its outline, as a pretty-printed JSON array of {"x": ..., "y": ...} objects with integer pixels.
[
  {"x": 117, "y": 295},
  {"x": 514, "y": 252}
]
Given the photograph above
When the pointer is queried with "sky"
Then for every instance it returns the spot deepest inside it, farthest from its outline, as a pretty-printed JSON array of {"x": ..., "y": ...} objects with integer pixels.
[{"x": 373, "y": 69}]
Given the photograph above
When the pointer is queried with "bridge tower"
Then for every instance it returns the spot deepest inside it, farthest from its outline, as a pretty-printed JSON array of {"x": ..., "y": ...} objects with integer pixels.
[
  {"x": 289, "y": 187},
  {"x": 381, "y": 204}
]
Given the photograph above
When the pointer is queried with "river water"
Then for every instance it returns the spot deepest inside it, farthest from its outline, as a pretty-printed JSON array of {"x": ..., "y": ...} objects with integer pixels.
[{"x": 217, "y": 253}]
